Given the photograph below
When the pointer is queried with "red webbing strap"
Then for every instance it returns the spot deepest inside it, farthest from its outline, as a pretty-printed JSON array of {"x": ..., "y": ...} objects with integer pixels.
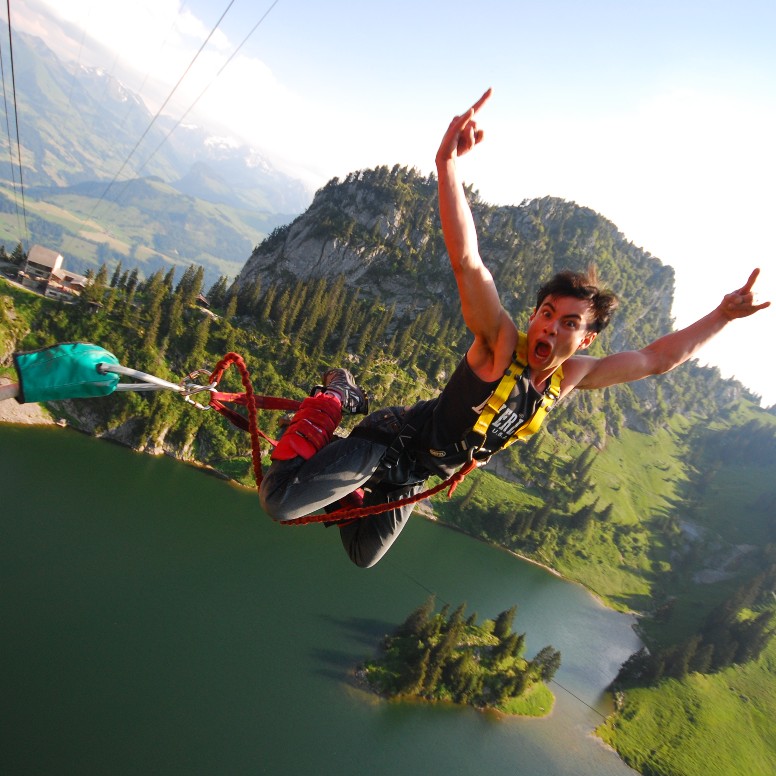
[
  {"x": 252, "y": 402},
  {"x": 217, "y": 400},
  {"x": 262, "y": 402}
]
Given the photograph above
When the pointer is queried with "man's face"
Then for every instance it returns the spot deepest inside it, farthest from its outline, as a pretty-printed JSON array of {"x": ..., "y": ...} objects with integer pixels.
[{"x": 560, "y": 327}]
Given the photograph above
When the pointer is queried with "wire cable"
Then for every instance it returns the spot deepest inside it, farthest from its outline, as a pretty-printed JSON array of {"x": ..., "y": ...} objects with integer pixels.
[
  {"x": 11, "y": 163},
  {"x": 16, "y": 117},
  {"x": 214, "y": 79},
  {"x": 139, "y": 90},
  {"x": 576, "y": 697},
  {"x": 163, "y": 106},
  {"x": 77, "y": 63}
]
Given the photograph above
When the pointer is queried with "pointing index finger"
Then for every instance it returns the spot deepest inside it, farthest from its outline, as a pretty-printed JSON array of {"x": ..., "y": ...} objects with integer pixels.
[
  {"x": 477, "y": 105},
  {"x": 749, "y": 283}
]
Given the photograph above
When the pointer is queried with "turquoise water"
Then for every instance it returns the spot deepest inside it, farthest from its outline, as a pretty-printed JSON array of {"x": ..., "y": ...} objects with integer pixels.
[{"x": 155, "y": 621}]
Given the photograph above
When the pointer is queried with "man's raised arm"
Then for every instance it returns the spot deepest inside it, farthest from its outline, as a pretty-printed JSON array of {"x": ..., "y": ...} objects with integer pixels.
[{"x": 482, "y": 311}]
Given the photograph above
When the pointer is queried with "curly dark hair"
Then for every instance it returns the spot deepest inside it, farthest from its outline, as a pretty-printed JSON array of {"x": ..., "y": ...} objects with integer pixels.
[{"x": 603, "y": 302}]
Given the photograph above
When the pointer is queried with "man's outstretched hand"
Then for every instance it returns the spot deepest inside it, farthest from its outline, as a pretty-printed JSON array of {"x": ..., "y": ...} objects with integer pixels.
[
  {"x": 462, "y": 134},
  {"x": 740, "y": 304}
]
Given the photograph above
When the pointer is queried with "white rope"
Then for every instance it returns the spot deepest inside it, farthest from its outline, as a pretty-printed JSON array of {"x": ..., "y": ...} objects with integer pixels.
[{"x": 150, "y": 383}]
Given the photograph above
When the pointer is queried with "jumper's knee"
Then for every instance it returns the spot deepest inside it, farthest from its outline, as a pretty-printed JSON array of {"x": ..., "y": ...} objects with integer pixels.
[{"x": 311, "y": 428}]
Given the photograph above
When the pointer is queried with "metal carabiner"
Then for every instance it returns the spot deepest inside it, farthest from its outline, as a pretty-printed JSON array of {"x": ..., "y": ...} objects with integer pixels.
[
  {"x": 477, "y": 461},
  {"x": 188, "y": 388}
]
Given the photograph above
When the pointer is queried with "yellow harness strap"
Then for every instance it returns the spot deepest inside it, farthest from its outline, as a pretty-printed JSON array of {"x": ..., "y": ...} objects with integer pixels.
[{"x": 504, "y": 389}]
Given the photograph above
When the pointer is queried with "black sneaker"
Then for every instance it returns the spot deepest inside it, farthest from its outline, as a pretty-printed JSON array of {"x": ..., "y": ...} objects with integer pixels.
[{"x": 341, "y": 383}]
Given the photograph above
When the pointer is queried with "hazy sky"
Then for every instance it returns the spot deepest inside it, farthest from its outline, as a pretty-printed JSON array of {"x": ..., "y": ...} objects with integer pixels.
[{"x": 659, "y": 115}]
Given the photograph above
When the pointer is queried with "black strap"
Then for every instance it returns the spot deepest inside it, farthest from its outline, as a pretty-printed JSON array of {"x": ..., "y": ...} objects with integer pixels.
[
  {"x": 396, "y": 443},
  {"x": 373, "y": 434}
]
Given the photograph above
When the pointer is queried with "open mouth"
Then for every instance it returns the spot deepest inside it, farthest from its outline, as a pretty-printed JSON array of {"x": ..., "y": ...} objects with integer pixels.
[{"x": 542, "y": 350}]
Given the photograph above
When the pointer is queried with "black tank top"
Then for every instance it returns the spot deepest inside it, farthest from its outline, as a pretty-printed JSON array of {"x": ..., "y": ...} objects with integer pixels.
[{"x": 456, "y": 409}]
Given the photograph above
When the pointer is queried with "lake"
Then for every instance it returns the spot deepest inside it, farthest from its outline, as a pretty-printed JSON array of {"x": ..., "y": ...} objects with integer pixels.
[{"x": 156, "y": 621}]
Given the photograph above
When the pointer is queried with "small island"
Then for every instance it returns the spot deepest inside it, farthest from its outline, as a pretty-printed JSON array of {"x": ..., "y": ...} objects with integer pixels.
[{"x": 446, "y": 657}]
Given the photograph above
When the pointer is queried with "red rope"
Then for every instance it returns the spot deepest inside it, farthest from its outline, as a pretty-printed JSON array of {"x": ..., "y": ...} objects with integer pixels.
[
  {"x": 248, "y": 399},
  {"x": 252, "y": 402}
]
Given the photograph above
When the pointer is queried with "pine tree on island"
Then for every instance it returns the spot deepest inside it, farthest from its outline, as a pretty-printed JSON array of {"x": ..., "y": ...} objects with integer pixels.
[{"x": 447, "y": 657}]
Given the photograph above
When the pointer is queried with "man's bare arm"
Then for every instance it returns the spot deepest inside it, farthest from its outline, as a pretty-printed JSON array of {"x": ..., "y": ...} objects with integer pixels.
[
  {"x": 493, "y": 329},
  {"x": 665, "y": 353}
]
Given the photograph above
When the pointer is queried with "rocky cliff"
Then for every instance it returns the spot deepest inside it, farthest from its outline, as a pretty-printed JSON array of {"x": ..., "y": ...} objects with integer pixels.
[{"x": 380, "y": 229}]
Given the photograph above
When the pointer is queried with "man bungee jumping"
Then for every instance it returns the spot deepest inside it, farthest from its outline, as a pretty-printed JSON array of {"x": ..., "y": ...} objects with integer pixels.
[{"x": 500, "y": 392}]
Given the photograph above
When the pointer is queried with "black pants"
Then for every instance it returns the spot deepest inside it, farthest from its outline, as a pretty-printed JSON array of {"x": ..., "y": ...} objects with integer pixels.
[{"x": 298, "y": 487}]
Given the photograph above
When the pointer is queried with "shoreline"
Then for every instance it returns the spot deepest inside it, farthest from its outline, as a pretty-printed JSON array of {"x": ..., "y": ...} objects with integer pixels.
[
  {"x": 360, "y": 681},
  {"x": 430, "y": 515},
  {"x": 12, "y": 412}
]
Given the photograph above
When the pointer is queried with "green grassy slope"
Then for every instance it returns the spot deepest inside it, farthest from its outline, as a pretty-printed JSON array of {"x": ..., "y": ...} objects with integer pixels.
[{"x": 718, "y": 725}]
